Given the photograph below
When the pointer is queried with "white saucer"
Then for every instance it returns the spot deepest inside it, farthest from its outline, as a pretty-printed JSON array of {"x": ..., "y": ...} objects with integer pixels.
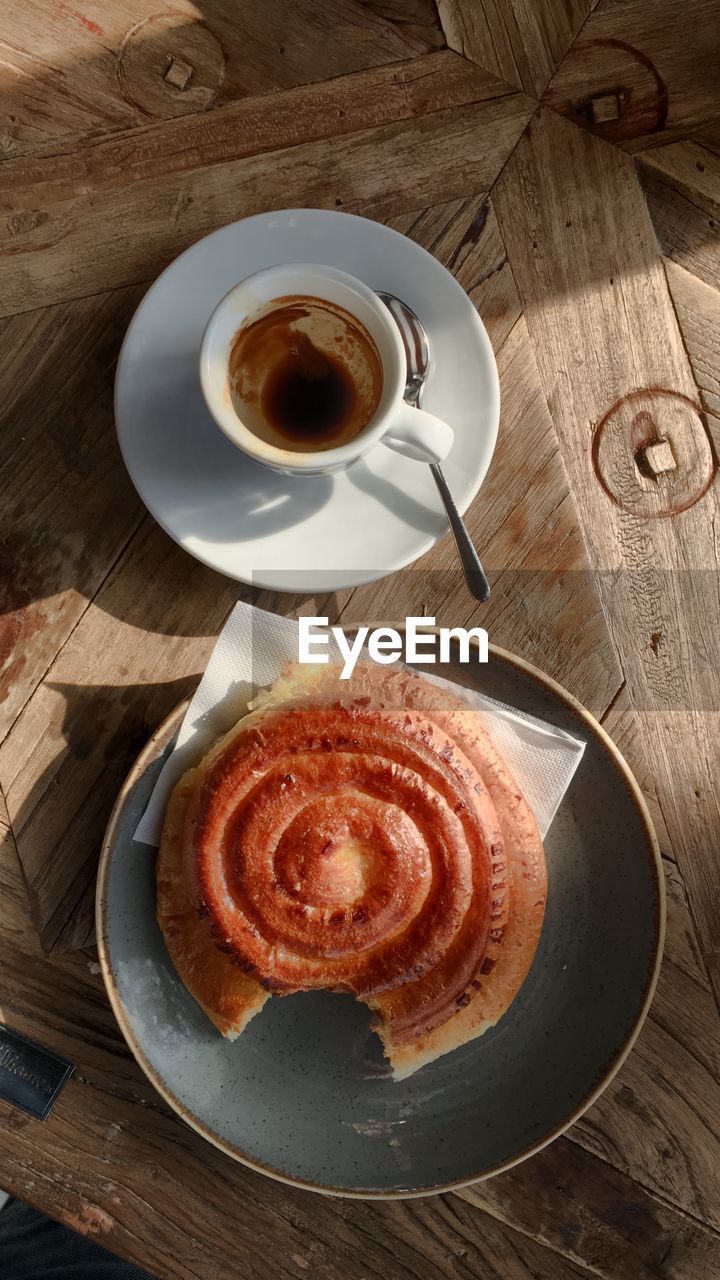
[{"x": 276, "y": 532}]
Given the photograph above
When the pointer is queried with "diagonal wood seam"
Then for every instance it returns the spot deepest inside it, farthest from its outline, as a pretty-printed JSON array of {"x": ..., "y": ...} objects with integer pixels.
[
  {"x": 457, "y": 8},
  {"x": 203, "y": 123},
  {"x": 460, "y": 103},
  {"x": 539, "y": 99},
  {"x": 701, "y": 396}
]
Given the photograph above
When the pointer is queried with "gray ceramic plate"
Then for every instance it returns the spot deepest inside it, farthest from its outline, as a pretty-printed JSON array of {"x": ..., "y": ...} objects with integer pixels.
[{"x": 305, "y": 1094}]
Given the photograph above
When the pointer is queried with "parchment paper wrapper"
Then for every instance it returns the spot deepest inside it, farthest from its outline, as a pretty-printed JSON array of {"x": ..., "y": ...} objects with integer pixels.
[{"x": 251, "y": 651}]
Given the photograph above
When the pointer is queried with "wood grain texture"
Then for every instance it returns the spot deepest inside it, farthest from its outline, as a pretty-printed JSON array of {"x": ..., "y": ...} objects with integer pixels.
[
  {"x": 708, "y": 135},
  {"x": 463, "y": 235},
  {"x": 603, "y": 325},
  {"x": 250, "y": 126},
  {"x": 67, "y": 740},
  {"x": 697, "y": 306},
  {"x": 100, "y": 66},
  {"x": 521, "y": 41},
  {"x": 681, "y": 182},
  {"x": 67, "y": 507},
  {"x": 677, "y": 1128},
  {"x": 84, "y": 245},
  {"x": 417, "y": 18},
  {"x": 622, "y": 724},
  {"x": 596, "y": 1216},
  {"x": 658, "y": 60}
]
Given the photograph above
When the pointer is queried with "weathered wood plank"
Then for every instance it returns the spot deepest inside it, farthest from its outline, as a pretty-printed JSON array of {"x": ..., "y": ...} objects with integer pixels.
[
  {"x": 682, "y": 187},
  {"x": 681, "y": 944},
  {"x": 250, "y": 126},
  {"x": 708, "y": 135},
  {"x": 603, "y": 326},
  {"x": 93, "y": 243},
  {"x": 686, "y": 166},
  {"x": 621, "y": 723},
  {"x": 67, "y": 506},
  {"x": 659, "y": 1120},
  {"x": 640, "y": 73},
  {"x": 418, "y": 18},
  {"x": 64, "y": 757},
  {"x": 698, "y": 311},
  {"x": 523, "y": 520},
  {"x": 523, "y": 41},
  {"x": 17, "y": 923},
  {"x": 595, "y": 1216},
  {"x": 464, "y": 236},
  {"x": 102, "y": 66},
  {"x": 97, "y": 1172}
]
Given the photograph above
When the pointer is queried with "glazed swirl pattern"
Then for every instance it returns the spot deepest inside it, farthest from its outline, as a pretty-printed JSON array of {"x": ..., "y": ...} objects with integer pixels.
[
  {"x": 365, "y": 839},
  {"x": 351, "y": 847}
]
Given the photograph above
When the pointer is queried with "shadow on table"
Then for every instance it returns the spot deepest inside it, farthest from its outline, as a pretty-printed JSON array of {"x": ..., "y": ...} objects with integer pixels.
[{"x": 60, "y": 825}]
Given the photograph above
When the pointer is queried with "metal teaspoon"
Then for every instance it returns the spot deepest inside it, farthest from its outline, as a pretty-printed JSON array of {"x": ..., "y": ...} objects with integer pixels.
[{"x": 419, "y": 358}]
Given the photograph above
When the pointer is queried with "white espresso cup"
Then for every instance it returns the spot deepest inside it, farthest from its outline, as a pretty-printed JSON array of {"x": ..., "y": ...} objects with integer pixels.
[{"x": 408, "y": 430}]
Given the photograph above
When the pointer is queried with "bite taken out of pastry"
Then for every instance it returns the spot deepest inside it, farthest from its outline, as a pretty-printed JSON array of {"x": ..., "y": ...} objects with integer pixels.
[{"x": 361, "y": 836}]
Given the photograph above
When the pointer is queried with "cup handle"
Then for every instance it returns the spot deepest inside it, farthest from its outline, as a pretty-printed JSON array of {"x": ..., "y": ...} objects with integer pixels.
[{"x": 419, "y": 435}]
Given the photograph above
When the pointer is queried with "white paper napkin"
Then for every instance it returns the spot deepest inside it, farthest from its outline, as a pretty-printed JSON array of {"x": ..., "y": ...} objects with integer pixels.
[{"x": 251, "y": 651}]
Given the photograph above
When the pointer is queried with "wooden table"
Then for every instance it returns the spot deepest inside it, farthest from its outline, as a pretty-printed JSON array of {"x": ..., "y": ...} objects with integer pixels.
[{"x": 562, "y": 158}]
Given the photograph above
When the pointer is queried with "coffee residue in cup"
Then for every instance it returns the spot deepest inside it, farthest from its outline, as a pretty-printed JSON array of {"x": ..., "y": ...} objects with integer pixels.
[{"x": 306, "y": 375}]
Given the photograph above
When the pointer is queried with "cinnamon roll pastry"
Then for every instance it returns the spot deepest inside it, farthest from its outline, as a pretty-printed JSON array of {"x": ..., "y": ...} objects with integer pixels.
[{"x": 361, "y": 836}]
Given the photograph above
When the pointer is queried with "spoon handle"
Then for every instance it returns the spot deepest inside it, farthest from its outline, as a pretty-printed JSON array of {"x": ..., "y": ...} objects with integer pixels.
[{"x": 474, "y": 572}]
